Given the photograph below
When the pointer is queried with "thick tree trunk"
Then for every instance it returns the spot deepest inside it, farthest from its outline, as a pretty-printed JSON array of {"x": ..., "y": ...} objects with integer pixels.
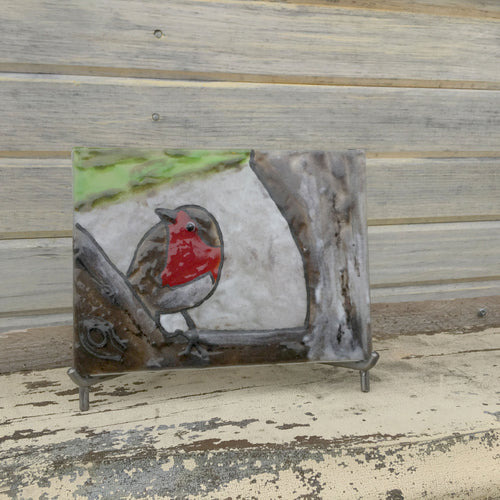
[{"x": 322, "y": 197}]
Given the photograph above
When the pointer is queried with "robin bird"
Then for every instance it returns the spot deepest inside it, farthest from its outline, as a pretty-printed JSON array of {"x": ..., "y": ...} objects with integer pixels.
[{"x": 177, "y": 263}]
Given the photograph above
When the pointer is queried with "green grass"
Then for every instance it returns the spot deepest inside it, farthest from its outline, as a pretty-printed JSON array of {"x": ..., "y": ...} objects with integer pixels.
[{"x": 108, "y": 174}]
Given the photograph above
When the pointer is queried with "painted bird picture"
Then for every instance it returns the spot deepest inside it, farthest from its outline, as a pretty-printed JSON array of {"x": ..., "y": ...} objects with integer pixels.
[
  {"x": 273, "y": 271},
  {"x": 177, "y": 264}
]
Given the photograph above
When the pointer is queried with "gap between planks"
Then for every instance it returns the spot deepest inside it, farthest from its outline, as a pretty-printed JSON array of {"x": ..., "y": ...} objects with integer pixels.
[
  {"x": 35, "y": 235},
  {"x": 45, "y": 314},
  {"x": 66, "y": 155},
  {"x": 451, "y": 281},
  {"x": 464, "y": 8},
  {"x": 201, "y": 76}
]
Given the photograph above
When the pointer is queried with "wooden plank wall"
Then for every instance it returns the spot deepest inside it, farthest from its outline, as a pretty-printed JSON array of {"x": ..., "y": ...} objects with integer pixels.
[{"x": 414, "y": 83}]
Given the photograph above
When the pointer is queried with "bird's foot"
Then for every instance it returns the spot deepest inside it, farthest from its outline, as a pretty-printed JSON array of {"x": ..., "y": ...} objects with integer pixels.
[
  {"x": 170, "y": 338},
  {"x": 193, "y": 347}
]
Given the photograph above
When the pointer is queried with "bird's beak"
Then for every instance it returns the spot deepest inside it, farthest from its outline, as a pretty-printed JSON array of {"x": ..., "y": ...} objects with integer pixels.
[{"x": 166, "y": 214}]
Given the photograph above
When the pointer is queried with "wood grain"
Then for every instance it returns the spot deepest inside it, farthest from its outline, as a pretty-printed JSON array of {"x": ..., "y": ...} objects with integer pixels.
[
  {"x": 59, "y": 112},
  {"x": 433, "y": 253},
  {"x": 432, "y": 189},
  {"x": 249, "y": 37},
  {"x": 35, "y": 195},
  {"x": 37, "y": 273}
]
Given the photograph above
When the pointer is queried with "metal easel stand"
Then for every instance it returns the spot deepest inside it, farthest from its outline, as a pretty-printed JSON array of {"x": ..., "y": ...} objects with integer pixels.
[
  {"x": 363, "y": 366},
  {"x": 84, "y": 383}
]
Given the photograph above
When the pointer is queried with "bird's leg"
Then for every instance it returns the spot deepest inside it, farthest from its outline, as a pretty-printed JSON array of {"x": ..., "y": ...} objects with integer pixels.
[
  {"x": 178, "y": 336},
  {"x": 189, "y": 320},
  {"x": 193, "y": 339}
]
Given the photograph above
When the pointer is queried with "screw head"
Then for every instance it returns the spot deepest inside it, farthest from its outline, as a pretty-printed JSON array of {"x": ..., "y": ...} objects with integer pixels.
[
  {"x": 158, "y": 33},
  {"x": 155, "y": 117},
  {"x": 482, "y": 312}
]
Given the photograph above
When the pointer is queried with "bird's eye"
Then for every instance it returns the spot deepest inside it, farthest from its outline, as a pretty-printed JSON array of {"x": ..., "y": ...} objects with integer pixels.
[{"x": 190, "y": 226}]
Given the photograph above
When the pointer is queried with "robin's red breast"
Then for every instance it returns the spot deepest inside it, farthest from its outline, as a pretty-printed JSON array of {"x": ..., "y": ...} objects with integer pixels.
[{"x": 177, "y": 263}]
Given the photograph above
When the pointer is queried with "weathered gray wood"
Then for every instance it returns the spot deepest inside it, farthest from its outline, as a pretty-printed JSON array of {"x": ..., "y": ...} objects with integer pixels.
[
  {"x": 433, "y": 253},
  {"x": 263, "y": 432},
  {"x": 59, "y": 112},
  {"x": 256, "y": 38},
  {"x": 36, "y": 274},
  {"x": 432, "y": 189},
  {"x": 35, "y": 195}
]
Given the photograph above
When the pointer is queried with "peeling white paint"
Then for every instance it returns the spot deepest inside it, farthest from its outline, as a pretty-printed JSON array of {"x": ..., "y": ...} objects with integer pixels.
[
  {"x": 299, "y": 428},
  {"x": 189, "y": 464}
]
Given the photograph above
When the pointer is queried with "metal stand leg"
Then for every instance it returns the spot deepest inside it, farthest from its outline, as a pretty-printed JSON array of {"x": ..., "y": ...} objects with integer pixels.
[
  {"x": 84, "y": 384},
  {"x": 363, "y": 366},
  {"x": 84, "y": 398},
  {"x": 365, "y": 380}
]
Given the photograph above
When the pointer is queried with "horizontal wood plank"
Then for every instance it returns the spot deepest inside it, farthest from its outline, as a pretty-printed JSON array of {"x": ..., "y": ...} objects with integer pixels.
[
  {"x": 432, "y": 189},
  {"x": 433, "y": 253},
  {"x": 37, "y": 273},
  {"x": 250, "y": 37},
  {"x": 35, "y": 195},
  {"x": 47, "y": 112},
  {"x": 264, "y": 431}
]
